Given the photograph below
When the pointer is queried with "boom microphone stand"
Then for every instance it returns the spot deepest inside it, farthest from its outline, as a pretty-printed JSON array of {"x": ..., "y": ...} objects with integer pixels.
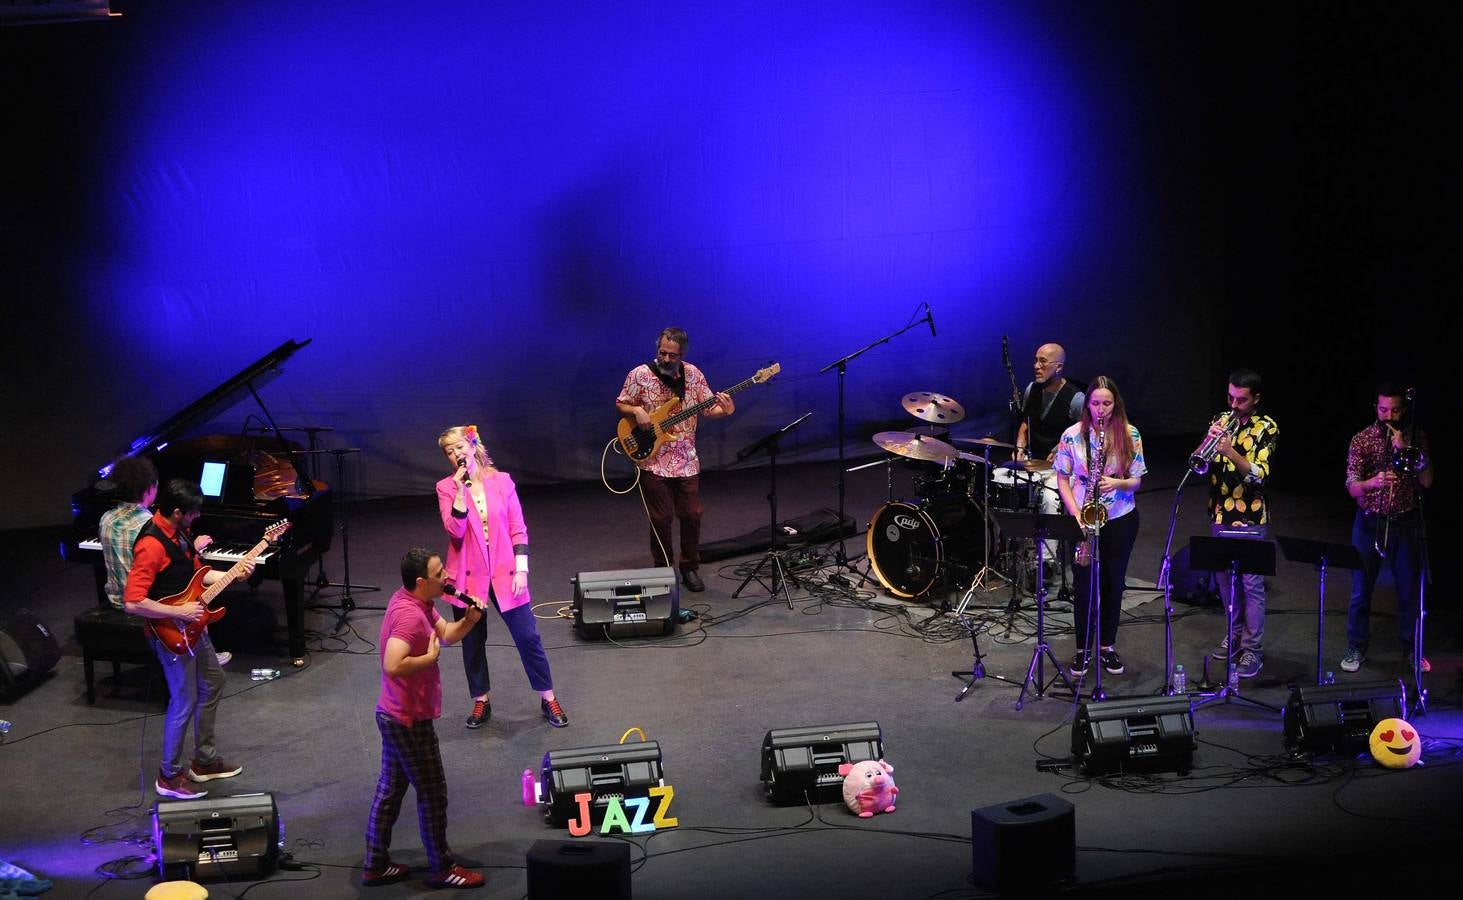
[
  {"x": 840, "y": 557},
  {"x": 1165, "y": 584},
  {"x": 347, "y": 602}
]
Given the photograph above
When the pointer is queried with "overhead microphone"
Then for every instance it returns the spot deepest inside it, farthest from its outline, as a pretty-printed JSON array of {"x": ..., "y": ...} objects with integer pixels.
[{"x": 930, "y": 317}]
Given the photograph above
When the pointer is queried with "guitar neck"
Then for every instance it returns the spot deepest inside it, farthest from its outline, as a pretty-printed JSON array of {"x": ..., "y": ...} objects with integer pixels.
[
  {"x": 685, "y": 414},
  {"x": 233, "y": 573}
]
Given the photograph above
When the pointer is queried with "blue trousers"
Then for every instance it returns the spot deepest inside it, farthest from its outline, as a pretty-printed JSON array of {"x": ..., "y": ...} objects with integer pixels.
[
  {"x": 524, "y": 629},
  {"x": 1399, "y": 541}
]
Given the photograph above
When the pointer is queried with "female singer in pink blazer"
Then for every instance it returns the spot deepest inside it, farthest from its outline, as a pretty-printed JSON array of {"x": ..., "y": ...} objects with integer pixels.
[{"x": 487, "y": 558}]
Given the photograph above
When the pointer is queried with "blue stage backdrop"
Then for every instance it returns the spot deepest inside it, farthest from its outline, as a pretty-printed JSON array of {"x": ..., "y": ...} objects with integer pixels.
[{"x": 485, "y": 213}]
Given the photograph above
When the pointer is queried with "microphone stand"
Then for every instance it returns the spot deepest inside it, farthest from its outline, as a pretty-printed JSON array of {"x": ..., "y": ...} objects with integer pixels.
[
  {"x": 1165, "y": 584},
  {"x": 840, "y": 555},
  {"x": 1424, "y": 570}
]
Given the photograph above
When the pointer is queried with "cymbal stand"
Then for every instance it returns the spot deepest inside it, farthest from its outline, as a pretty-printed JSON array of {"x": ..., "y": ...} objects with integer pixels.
[
  {"x": 986, "y": 570},
  {"x": 888, "y": 464}
]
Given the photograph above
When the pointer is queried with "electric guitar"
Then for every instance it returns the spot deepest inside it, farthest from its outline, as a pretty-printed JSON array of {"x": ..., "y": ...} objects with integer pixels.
[
  {"x": 641, "y": 442},
  {"x": 180, "y": 636}
]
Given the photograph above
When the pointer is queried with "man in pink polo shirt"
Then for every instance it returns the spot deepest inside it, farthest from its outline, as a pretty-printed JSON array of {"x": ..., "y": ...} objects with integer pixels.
[{"x": 412, "y": 634}]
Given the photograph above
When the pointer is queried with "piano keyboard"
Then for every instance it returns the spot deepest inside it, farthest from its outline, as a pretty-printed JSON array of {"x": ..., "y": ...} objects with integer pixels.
[{"x": 216, "y": 553}]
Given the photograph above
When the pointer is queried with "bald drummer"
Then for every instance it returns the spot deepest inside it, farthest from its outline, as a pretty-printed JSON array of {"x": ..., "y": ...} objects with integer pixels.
[{"x": 1050, "y": 405}]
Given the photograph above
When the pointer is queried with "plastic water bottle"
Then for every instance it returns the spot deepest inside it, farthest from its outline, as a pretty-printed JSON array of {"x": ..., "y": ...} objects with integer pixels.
[
  {"x": 530, "y": 788},
  {"x": 1330, "y": 678},
  {"x": 1180, "y": 680},
  {"x": 263, "y": 674},
  {"x": 4, "y": 727},
  {"x": 1233, "y": 678}
]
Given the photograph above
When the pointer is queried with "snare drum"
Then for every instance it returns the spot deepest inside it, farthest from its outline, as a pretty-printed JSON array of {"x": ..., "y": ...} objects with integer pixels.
[
  {"x": 1011, "y": 489},
  {"x": 911, "y": 543}
]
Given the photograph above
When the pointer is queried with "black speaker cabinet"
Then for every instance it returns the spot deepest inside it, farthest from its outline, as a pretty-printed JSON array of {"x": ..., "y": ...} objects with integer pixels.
[
  {"x": 612, "y": 770},
  {"x": 599, "y": 869},
  {"x": 1137, "y": 734},
  {"x": 805, "y": 761},
  {"x": 207, "y": 839},
  {"x": 1339, "y": 717},
  {"x": 28, "y": 650},
  {"x": 1024, "y": 845},
  {"x": 626, "y": 602}
]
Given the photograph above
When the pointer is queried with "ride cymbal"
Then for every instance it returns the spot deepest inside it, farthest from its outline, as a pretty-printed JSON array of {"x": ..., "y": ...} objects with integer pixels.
[
  {"x": 985, "y": 442},
  {"x": 916, "y": 446}
]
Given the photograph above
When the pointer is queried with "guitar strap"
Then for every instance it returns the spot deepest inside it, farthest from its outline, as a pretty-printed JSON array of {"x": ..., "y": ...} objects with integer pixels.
[{"x": 678, "y": 385}]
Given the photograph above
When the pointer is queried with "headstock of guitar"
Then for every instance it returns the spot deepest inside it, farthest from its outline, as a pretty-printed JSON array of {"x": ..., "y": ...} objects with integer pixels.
[{"x": 764, "y": 374}]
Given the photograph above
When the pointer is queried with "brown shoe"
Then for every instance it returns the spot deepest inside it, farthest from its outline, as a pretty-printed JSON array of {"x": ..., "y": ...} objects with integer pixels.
[{"x": 219, "y": 768}]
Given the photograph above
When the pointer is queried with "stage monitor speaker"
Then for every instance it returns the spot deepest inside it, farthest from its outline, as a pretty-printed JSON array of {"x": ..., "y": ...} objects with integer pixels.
[
  {"x": 1025, "y": 845},
  {"x": 1326, "y": 718},
  {"x": 626, "y": 602},
  {"x": 207, "y": 839},
  {"x": 28, "y": 650},
  {"x": 1137, "y": 734},
  {"x": 799, "y": 763},
  {"x": 599, "y": 869},
  {"x": 605, "y": 772}
]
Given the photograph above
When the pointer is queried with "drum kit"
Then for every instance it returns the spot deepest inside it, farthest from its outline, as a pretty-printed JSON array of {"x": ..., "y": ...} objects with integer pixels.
[{"x": 947, "y": 532}]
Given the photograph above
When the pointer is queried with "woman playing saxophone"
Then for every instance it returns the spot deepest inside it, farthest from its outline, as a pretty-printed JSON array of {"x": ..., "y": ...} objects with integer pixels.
[{"x": 1099, "y": 466}]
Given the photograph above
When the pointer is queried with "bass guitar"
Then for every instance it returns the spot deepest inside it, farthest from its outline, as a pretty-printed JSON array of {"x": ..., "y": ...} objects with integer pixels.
[
  {"x": 641, "y": 442},
  {"x": 179, "y": 636}
]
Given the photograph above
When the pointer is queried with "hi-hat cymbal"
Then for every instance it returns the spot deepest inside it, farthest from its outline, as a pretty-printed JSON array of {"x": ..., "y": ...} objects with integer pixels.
[
  {"x": 933, "y": 407},
  {"x": 985, "y": 442},
  {"x": 915, "y": 446},
  {"x": 1027, "y": 465}
]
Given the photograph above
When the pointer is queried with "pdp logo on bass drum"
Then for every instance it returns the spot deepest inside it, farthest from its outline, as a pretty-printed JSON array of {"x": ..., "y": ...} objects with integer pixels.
[{"x": 908, "y": 523}]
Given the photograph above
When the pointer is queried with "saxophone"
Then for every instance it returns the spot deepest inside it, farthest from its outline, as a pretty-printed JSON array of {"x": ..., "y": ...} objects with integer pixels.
[{"x": 1093, "y": 514}]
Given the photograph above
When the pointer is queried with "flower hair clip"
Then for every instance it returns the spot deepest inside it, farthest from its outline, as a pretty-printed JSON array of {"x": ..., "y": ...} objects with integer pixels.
[{"x": 471, "y": 434}]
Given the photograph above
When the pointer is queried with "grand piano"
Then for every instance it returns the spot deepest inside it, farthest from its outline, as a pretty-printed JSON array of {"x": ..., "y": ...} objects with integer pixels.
[{"x": 254, "y": 483}]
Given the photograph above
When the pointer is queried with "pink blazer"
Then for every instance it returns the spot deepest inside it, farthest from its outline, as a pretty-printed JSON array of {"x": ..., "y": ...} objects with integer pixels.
[{"x": 472, "y": 562}]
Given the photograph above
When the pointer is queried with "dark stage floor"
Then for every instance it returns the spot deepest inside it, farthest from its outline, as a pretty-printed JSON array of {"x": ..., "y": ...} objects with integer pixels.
[{"x": 1244, "y": 817}]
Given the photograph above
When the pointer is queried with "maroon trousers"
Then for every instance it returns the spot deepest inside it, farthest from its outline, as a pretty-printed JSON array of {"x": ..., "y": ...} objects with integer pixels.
[{"x": 673, "y": 498}]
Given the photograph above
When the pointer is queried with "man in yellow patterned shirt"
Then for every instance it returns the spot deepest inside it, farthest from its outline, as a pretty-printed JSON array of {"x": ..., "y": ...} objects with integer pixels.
[{"x": 1238, "y": 508}]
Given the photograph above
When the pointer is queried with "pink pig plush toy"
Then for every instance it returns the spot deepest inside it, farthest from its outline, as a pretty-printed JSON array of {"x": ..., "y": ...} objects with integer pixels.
[{"x": 868, "y": 787}]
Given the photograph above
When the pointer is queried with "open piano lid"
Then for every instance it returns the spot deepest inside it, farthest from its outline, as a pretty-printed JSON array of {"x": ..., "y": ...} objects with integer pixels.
[{"x": 247, "y": 381}]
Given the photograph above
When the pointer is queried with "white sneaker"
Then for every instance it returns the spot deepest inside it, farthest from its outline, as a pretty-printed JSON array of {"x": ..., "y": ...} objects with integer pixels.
[{"x": 224, "y": 657}]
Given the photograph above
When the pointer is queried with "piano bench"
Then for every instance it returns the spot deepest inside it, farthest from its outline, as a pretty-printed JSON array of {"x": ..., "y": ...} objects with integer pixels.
[{"x": 116, "y": 637}]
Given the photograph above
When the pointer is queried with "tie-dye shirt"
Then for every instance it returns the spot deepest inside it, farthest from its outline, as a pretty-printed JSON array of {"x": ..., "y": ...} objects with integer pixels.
[{"x": 1071, "y": 461}]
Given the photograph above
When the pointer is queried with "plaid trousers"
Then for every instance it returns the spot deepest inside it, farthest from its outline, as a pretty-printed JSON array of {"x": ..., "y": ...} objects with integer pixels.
[{"x": 409, "y": 756}]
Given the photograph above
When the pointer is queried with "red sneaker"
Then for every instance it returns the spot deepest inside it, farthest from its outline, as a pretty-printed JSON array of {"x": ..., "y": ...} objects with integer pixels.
[
  {"x": 456, "y": 877},
  {"x": 393, "y": 872},
  {"x": 177, "y": 786}
]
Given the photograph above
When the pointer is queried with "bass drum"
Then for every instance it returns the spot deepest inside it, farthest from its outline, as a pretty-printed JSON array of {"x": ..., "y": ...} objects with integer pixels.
[{"x": 912, "y": 544}]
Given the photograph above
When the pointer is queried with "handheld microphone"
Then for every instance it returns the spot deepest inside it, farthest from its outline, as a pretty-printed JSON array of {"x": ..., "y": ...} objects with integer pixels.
[
  {"x": 930, "y": 317},
  {"x": 452, "y": 591},
  {"x": 467, "y": 476}
]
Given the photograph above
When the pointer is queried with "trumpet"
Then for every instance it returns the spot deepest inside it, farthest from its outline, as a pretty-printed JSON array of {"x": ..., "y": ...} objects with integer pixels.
[
  {"x": 1200, "y": 459},
  {"x": 1093, "y": 513}
]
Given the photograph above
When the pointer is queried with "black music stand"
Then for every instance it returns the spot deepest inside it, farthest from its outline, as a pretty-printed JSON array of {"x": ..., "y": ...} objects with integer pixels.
[
  {"x": 347, "y": 602},
  {"x": 779, "y": 576},
  {"x": 1237, "y": 556},
  {"x": 1038, "y": 527},
  {"x": 1321, "y": 555}
]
